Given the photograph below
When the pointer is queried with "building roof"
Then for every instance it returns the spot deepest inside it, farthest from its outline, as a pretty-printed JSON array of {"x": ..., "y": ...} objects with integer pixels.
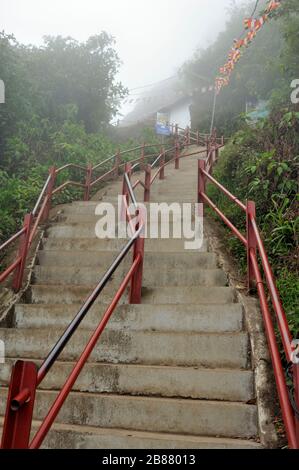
[{"x": 160, "y": 97}]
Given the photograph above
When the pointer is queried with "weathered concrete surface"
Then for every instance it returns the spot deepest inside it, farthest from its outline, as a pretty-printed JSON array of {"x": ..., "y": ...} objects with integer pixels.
[
  {"x": 105, "y": 244},
  {"x": 67, "y": 436},
  {"x": 174, "y": 372},
  {"x": 143, "y": 347},
  {"x": 195, "y": 417},
  {"x": 167, "y": 381},
  {"x": 153, "y": 277},
  {"x": 197, "y": 318},
  {"x": 58, "y": 293}
]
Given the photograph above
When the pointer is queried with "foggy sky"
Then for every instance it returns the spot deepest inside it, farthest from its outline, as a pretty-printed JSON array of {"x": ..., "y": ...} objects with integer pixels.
[{"x": 153, "y": 37}]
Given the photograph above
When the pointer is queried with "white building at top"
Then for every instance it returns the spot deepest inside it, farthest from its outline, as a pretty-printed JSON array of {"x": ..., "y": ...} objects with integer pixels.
[{"x": 165, "y": 97}]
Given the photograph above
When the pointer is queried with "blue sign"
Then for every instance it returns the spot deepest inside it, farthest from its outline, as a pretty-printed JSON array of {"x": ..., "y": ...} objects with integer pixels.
[{"x": 162, "y": 124}]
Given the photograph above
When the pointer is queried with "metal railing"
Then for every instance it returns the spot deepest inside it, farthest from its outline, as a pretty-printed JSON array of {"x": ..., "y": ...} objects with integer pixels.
[
  {"x": 41, "y": 210},
  {"x": 289, "y": 400},
  {"x": 25, "y": 377}
]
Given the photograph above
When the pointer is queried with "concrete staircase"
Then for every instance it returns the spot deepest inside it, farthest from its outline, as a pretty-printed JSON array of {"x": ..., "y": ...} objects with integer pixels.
[{"x": 173, "y": 372}]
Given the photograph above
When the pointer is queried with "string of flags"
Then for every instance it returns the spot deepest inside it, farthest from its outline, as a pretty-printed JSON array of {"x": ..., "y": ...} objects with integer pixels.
[
  {"x": 252, "y": 26},
  {"x": 148, "y": 99}
]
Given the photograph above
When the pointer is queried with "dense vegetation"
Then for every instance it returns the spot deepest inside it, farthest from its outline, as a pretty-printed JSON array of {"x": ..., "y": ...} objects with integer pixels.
[
  {"x": 260, "y": 161},
  {"x": 60, "y": 98}
]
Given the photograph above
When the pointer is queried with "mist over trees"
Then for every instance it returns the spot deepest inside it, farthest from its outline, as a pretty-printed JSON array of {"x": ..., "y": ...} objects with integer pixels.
[
  {"x": 59, "y": 100},
  {"x": 264, "y": 71},
  {"x": 260, "y": 161},
  {"x": 63, "y": 78}
]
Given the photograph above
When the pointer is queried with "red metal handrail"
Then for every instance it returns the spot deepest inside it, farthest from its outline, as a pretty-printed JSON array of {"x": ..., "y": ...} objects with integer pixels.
[
  {"x": 42, "y": 207},
  {"x": 253, "y": 243},
  {"x": 25, "y": 376}
]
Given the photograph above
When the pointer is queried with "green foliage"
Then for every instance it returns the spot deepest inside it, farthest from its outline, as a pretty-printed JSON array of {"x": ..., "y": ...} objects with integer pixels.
[
  {"x": 254, "y": 77},
  {"x": 264, "y": 72},
  {"x": 16, "y": 195},
  {"x": 61, "y": 80},
  {"x": 261, "y": 163},
  {"x": 60, "y": 98}
]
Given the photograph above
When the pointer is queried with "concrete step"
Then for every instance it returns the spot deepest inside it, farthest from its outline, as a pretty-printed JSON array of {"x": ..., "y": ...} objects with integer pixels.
[
  {"x": 172, "y": 212},
  {"x": 87, "y": 229},
  {"x": 68, "y": 294},
  {"x": 67, "y": 436},
  {"x": 192, "y": 318},
  {"x": 165, "y": 381},
  {"x": 89, "y": 208},
  {"x": 169, "y": 415},
  {"x": 228, "y": 350},
  {"x": 87, "y": 437},
  {"x": 93, "y": 244},
  {"x": 153, "y": 277},
  {"x": 101, "y": 258}
]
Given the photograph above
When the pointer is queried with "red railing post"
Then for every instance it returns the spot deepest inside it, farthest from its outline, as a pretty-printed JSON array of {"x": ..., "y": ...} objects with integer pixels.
[
  {"x": 87, "y": 182},
  {"x": 162, "y": 162},
  {"x": 147, "y": 183},
  {"x": 127, "y": 170},
  {"x": 136, "y": 281},
  {"x": 125, "y": 191},
  {"x": 177, "y": 156},
  {"x": 23, "y": 251},
  {"x": 50, "y": 188},
  {"x": 251, "y": 242},
  {"x": 201, "y": 185},
  {"x": 19, "y": 407},
  {"x": 176, "y": 130}
]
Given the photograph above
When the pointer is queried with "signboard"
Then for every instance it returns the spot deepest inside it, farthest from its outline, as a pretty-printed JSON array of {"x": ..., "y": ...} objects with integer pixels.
[{"x": 162, "y": 124}]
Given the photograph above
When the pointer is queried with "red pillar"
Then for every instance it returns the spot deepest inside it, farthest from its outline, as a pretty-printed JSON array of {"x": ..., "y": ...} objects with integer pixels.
[
  {"x": 23, "y": 251},
  {"x": 19, "y": 407},
  {"x": 201, "y": 185},
  {"x": 51, "y": 184},
  {"x": 136, "y": 281}
]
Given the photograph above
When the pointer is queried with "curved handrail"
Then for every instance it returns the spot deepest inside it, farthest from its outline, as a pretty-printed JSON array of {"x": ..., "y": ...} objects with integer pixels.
[
  {"x": 70, "y": 165},
  {"x": 253, "y": 244},
  {"x": 72, "y": 327},
  {"x": 18, "y": 399},
  {"x": 43, "y": 204}
]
